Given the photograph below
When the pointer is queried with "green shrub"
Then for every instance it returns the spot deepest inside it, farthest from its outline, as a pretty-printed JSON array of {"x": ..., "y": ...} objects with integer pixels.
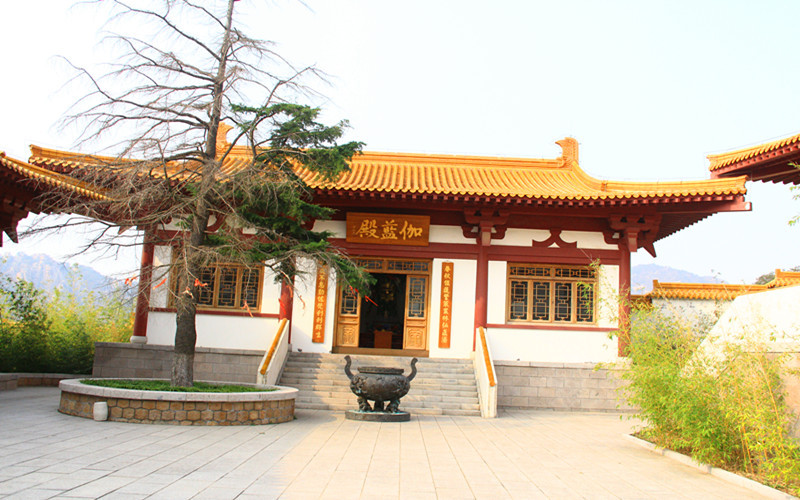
[
  {"x": 24, "y": 327},
  {"x": 56, "y": 333},
  {"x": 730, "y": 414}
]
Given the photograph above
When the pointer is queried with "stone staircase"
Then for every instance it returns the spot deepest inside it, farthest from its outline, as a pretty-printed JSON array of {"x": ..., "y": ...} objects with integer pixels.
[{"x": 441, "y": 387}]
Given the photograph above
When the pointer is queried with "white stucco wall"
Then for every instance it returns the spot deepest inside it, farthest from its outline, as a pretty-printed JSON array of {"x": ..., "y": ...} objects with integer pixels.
[
  {"x": 608, "y": 297},
  {"x": 159, "y": 295},
  {"x": 522, "y": 237},
  {"x": 463, "y": 315},
  {"x": 695, "y": 310},
  {"x": 448, "y": 234},
  {"x": 228, "y": 332},
  {"x": 587, "y": 239},
  {"x": 303, "y": 312},
  {"x": 337, "y": 227},
  {"x": 557, "y": 346},
  {"x": 496, "y": 300},
  {"x": 541, "y": 344},
  {"x": 763, "y": 321}
]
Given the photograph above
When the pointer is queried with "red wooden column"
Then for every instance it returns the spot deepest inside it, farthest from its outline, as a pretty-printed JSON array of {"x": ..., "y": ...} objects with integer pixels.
[
  {"x": 286, "y": 303},
  {"x": 623, "y": 340},
  {"x": 482, "y": 280},
  {"x": 143, "y": 294}
]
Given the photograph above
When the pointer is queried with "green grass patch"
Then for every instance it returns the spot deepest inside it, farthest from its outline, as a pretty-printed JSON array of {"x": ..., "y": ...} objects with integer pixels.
[{"x": 164, "y": 385}]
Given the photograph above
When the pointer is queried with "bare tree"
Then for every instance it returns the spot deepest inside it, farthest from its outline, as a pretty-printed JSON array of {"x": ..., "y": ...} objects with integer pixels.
[{"x": 169, "y": 97}]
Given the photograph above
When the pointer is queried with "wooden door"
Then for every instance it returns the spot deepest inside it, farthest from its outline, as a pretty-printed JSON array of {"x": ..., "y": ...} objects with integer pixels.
[
  {"x": 416, "y": 320},
  {"x": 348, "y": 321}
]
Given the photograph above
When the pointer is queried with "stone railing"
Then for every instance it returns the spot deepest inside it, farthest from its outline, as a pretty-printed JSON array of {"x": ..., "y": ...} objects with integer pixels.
[
  {"x": 485, "y": 376},
  {"x": 272, "y": 363}
]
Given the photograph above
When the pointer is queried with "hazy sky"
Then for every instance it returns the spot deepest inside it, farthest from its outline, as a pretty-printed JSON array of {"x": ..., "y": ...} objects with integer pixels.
[{"x": 647, "y": 88}]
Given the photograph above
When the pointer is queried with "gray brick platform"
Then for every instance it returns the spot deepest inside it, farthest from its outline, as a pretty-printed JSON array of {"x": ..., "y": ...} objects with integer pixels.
[
  {"x": 10, "y": 381},
  {"x": 118, "y": 360},
  {"x": 558, "y": 386}
]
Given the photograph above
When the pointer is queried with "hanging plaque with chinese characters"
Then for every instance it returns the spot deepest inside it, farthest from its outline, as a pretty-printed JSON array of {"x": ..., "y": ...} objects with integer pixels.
[
  {"x": 385, "y": 229},
  {"x": 446, "y": 310}
]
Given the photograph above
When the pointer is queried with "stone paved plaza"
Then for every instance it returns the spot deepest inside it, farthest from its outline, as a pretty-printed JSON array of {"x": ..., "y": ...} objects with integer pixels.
[{"x": 521, "y": 454}]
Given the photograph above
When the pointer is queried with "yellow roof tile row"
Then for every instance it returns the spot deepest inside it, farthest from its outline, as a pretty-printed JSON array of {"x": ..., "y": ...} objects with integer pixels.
[
  {"x": 784, "y": 278},
  {"x": 557, "y": 179},
  {"x": 719, "y": 291},
  {"x": 701, "y": 291},
  {"x": 724, "y": 159},
  {"x": 501, "y": 177},
  {"x": 48, "y": 178}
]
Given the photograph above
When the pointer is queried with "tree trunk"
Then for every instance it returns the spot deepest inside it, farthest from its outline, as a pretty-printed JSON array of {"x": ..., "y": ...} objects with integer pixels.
[{"x": 185, "y": 339}]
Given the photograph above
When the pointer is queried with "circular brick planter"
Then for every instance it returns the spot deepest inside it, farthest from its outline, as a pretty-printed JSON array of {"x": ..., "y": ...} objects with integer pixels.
[{"x": 179, "y": 408}]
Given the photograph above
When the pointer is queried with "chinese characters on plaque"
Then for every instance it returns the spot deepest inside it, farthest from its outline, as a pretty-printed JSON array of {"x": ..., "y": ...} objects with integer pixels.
[
  {"x": 446, "y": 314},
  {"x": 320, "y": 302},
  {"x": 385, "y": 229}
]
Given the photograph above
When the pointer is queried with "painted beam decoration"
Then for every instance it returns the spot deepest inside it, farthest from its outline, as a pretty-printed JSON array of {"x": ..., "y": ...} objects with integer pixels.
[
  {"x": 320, "y": 303},
  {"x": 446, "y": 314},
  {"x": 388, "y": 229}
]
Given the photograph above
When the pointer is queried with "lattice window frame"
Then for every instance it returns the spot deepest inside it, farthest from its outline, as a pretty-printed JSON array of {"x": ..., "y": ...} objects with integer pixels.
[
  {"x": 535, "y": 284},
  {"x": 211, "y": 276}
]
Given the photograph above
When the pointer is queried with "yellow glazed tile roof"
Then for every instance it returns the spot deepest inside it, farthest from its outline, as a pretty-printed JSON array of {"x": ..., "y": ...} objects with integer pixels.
[
  {"x": 429, "y": 174},
  {"x": 701, "y": 291},
  {"x": 724, "y": 159},
  {"x": 784, "y": 278},
  {"x": 46, "y": 177}
]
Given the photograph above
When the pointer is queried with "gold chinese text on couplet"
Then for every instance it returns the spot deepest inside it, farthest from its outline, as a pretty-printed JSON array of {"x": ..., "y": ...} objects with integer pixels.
[
  {"x": 446, "y": 314},
  {"x": 320, "y": 303},
  {"x": 387, "y": 229}
]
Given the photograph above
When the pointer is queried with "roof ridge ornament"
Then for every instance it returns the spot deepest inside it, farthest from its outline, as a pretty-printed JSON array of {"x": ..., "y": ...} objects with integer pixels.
[
  {"x": 569, "y": 151},
  {"x": 222, "y": 136}
]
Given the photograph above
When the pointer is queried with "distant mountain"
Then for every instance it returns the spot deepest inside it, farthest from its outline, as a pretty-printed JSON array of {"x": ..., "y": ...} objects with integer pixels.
[
  {"x": 47, "y": 273},
  {"x": 642, "y": 277}
]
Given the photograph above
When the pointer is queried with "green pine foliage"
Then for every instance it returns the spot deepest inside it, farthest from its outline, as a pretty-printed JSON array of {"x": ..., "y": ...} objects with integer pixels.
[
  {"x": 41, "y": 333},
  {"x": 271, "y": 200},
  {"x": 732, "y": 415}
]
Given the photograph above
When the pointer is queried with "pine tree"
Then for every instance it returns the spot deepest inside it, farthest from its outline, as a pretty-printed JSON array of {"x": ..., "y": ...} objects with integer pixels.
[{"x": 173, "y": 97}]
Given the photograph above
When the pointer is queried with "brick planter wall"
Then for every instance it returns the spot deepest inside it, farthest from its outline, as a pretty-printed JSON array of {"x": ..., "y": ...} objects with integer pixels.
[
  {"x": 179, "y": 408},
  {"x": 558, "y": 386}
]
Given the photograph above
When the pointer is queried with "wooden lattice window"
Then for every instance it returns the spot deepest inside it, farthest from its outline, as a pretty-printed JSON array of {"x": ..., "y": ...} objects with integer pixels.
[
  {"x": 551, "y": 294},
  {"x": 230, "y": 287}
]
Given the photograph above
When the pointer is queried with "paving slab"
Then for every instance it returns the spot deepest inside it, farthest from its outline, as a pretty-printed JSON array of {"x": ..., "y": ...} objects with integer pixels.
[{"x": 521, "y": 454}]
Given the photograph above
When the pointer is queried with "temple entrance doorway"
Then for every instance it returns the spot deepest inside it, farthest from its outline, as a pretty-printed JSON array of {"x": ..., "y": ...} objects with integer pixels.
[{"x": 393, "y": 318}]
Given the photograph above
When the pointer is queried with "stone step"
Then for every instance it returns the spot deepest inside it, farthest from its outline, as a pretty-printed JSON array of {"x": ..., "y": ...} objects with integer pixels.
[
  {"x": 339, "y": 367},
  {"x": 379, "y": 360},
  {"x": 411, "y": 408},
  {"x": 294, "y": 380},
  {"x": 420, "y": 378},
  {"x": 411, "y": 403},
  {"x": 417, "y": 411},
  {"x": 413, "y": 411},
  {"x": 441, "y": 387},
  {"x": 444, "y": 391},
  {"x": 409, "y": 398},
  {"x": 339, "y": 372}
]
